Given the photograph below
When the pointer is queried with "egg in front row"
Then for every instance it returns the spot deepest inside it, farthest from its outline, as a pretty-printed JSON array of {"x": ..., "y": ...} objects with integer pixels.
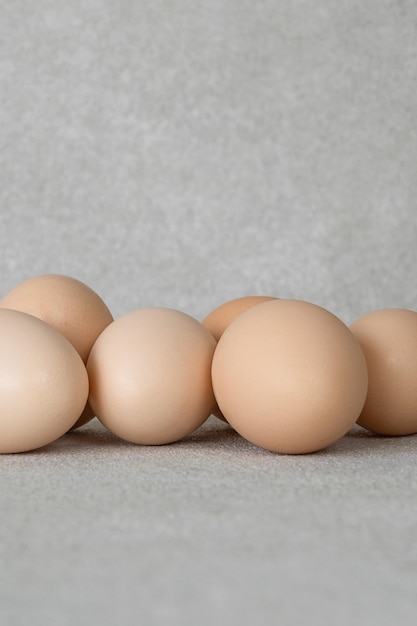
[
  {"x": 150, "y": 376},
  {"x": 43, "y": 383},
  {"x": 289, "y": 376}
]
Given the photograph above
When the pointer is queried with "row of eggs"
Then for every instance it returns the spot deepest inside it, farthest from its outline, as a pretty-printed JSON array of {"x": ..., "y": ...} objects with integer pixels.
[{"x": 288, "y": 375}]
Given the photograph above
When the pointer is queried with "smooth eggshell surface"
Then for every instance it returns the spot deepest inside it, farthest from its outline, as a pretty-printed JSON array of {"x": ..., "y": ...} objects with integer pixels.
[
  {"x": 220, "y": 318},
  {"x": 150, "y": 377},
  {"x": 43, "y": 383},
  {"x": 389, "y": 341},
  {"x": 66, "y": 304},
  {"x": 289, "y": 376},
  {"x": 69, "y": 306}
]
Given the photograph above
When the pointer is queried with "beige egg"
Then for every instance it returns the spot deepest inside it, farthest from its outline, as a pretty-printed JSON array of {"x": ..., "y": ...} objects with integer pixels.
[
  {"x": 150, "y": 379},
  {"x": 69, "y": 306},
  {"x": 289, "y": 376},
  {"x": 220, "y": 318},
  {"x": 43, "y": 383},
  {"x": 389, "y": 341}
]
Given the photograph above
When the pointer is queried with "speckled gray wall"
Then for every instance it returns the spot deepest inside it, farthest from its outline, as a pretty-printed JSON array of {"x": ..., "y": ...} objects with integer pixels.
[{"x": 182, "y": 153}]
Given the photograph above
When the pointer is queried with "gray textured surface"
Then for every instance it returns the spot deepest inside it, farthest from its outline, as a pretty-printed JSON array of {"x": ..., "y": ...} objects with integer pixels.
[
  {"x": 210, "y": 530},
  {"x": 182, "y": 154}
]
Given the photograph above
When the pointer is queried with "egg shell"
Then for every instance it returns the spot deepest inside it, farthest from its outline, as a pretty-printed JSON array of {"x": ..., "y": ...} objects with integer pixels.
[
  {"x": 69, "y": 306},
  {"x": 149, "y": 373},
  {"x": 43, "y": 383},
  {"x": 389, "y": 341},
  {"x": 221, "y": 317},
  {"x": 66, "y": 304},
  {"x": 289, "y": 376}
]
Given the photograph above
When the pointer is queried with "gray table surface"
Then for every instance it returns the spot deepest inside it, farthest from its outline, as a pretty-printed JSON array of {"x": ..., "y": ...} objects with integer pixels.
[{"x": 209, "y": 530}]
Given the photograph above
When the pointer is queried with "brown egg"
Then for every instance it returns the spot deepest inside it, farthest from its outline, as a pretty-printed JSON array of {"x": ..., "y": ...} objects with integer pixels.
[
  {"x": 220, "y": 318},
  {"x": 389, "y": 341},
  {"x": 43, "y": 383},
  {"x": 289, "y": 376},
  {"x": 69, "y": 306},
  {"x": 150, "y": 379}
]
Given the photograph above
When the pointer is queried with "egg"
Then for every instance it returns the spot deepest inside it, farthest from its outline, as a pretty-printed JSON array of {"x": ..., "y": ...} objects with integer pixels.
[
  {"x": 289, "y": 376},
  {"x": 150, "y": 376},
  {"x": 69, "y": 306},
  {"x": 389, "y": 341},
  {"x": 43, "y": 383},
  {"x": 220, "y": 318}
]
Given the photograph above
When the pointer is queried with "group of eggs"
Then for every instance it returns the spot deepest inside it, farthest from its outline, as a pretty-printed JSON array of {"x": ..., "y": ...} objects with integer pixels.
[{"x": 287, "y": 375}]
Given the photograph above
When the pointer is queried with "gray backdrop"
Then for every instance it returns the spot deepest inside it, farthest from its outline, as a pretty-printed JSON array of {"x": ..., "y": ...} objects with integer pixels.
[{"x": 183, "y": 153}]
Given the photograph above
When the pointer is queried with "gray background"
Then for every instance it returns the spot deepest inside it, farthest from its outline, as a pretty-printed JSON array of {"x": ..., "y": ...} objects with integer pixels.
[{"x": 182, "y": 154}]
